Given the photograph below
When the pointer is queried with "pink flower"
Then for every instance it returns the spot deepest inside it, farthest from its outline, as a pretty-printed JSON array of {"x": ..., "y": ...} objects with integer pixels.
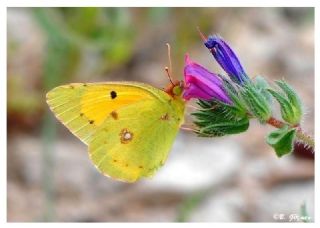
[{"x": 202, "y": 84}]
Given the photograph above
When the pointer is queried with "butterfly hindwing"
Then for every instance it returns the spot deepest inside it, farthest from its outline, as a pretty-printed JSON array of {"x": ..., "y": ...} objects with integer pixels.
[{"x": 137, "y": 143}]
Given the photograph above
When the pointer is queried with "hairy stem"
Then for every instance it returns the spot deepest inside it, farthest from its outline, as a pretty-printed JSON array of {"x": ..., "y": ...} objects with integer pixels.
[
  {"x": 305, "y": 138},
  {"x": 301, "y": 135}
]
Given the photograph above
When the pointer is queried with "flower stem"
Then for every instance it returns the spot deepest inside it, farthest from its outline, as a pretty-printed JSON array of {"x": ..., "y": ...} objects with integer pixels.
[
  {"x": 301, "y": 135},
  {"x": 306, "y": 139},
  {"x": 276, "y": 123}
]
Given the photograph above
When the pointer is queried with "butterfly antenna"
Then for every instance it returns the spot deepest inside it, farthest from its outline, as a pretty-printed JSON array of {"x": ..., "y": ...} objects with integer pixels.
[
  {"x": 169, "y": 69},
  {"x": 203, "y": 37}
]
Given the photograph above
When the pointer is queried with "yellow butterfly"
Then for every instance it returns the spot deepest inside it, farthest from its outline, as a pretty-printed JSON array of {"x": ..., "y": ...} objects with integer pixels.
[{"x": 129, "y": 127}]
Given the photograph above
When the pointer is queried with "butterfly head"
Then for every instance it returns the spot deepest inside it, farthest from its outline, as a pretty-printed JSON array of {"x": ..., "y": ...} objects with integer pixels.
[{"x": 175, "y": 88}]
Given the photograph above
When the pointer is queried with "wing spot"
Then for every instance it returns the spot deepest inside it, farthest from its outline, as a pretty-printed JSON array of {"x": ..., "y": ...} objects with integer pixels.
[
  {"x": 114, "y": 115},
  {"x": 91, "y": 121},
  {"x": 81, "y": 114},
  {"x": 84, "y": 84},
  {"x": 125, "y": 136},
  {"x": 140, "y": 167},
  {"x": 127, "y": 165},
  {"x": 71, "y": 87},
  {"x": 114, "y": 160},
  {"x": 113, "y": 94},
  {"x": 165, "y": 117}
]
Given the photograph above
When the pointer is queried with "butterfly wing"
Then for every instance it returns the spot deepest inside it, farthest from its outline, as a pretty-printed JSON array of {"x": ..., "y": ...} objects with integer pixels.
[
  {"x": 137, "y": 143},
  {"x": 129, "y": 127},
  {"x": 82, "y": 107}
]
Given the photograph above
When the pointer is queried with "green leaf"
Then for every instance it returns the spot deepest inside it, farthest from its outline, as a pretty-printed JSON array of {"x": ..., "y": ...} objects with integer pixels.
[
  {"x": 282, "y": 140},
  {"x": 221, "y": 128},
  {"x": 287, "y": 111},
  {"x": 218, "y": 119},
  {"x": 256, "y": 102},
  {"x": 239, "y": 106},
  {"x": 262, "y": 85},
  {"x": 290, "y": 92},
  {"x": 294, "y": 100},
  {"x": 290, "y": 104}
]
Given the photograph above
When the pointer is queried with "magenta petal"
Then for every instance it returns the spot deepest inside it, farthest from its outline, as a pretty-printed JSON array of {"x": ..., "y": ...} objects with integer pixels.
[
  {"x": 198, "y": 71},
  {"x": 202, "y": 84},
  {"x": 192, "y": 93},
  {"x": 194, "y": 90}
]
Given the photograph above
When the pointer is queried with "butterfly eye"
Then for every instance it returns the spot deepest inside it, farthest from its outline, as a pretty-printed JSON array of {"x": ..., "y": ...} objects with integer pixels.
[{"x": 177, "y": 90}]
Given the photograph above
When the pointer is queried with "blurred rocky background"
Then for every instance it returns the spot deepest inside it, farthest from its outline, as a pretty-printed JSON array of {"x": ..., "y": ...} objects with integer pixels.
[{"x": 230, "y": 179}]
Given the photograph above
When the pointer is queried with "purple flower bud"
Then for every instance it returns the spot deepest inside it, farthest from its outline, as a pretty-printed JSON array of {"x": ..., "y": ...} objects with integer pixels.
[
  {"x": 227, "y": 59},
  {"x": 202, "y": 84}
]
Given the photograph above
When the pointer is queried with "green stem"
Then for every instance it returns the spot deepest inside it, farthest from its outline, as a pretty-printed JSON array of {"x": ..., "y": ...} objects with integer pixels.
[{"x": 301, "y": 135}]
